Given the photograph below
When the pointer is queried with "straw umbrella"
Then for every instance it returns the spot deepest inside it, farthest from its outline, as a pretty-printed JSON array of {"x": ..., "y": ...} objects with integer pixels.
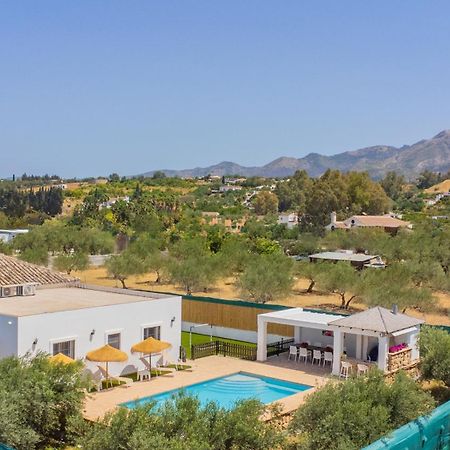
[
  {"x": 106, "y": 354},
  {"x": 150, "y": 346},
  {"x": 60, "y": 358}
]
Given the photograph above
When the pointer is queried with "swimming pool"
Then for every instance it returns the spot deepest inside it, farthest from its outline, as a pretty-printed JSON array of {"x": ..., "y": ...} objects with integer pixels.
[{"x": 225, "y": 391}]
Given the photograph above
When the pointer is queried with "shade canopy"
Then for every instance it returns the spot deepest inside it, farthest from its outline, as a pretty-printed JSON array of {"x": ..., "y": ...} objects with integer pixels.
[
  {"x": 107, "y": 354},
  {"x": 60, "y": 358},
  {"x": 150, "y": 345}
]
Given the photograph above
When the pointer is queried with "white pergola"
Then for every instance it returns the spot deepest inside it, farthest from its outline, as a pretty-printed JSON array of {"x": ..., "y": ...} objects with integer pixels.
[{"x": 380, "y": 323}]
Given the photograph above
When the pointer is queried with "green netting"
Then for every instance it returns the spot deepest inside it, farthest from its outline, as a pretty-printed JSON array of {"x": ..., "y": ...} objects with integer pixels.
[{"x": 430, "y": 432}]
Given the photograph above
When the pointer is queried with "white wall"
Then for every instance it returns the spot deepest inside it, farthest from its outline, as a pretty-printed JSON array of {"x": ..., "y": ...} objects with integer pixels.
[
  {"x": 8, "y": 336},
  {"x": 129, "y": 319},
  {"x": 232, "y": 333}
]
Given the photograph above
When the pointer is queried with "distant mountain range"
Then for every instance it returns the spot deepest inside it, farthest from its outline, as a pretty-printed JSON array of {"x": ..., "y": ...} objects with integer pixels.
[{"x": 432, "y": 154}]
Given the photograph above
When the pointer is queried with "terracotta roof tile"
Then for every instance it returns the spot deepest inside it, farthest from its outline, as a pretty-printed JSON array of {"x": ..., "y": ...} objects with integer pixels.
[{"x": 14, "y": 271}]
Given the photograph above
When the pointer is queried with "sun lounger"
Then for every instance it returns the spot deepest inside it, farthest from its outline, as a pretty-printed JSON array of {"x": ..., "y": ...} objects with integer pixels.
[{"x": 124, "y": 381}]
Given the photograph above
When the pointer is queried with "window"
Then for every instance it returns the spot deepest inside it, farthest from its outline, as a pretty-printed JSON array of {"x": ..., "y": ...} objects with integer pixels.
[
  {"x": 66, "y": 348},
  {"x": 114, "y": 340},
  {"x": 154, "y": 332}
]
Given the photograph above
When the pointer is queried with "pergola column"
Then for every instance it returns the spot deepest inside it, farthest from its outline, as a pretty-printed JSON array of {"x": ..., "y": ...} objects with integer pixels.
[
  {"x": 297, "y": 334},
  {"x": 261, "y": 353},
  {"x": 412, "y": 344},
  {"x": 338, "y": 346},
  {"x": 383, "y": 342},
  {"x": 359, "y": 346}
]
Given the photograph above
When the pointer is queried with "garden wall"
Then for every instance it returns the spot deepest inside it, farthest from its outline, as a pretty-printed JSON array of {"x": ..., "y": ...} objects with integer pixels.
[{"x": 231, "y": 316}]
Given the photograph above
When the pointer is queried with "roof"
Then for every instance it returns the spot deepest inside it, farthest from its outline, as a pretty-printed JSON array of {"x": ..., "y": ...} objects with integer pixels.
[
  {"x": 298, "y": 316},
  {"x": 378, "y": 221},
  {"x": 378, "y": 319},
  {"x": 52, "y": 300},
  {"x": 341, "y": 256},
  {"x": 13, "y": 271}
]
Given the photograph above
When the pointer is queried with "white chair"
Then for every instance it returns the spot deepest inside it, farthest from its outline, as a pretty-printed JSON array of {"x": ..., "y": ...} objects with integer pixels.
[
  {"x": 292, "y": 352},
  {"x": 304, "y": 353},
  {"x": 317, "y": 356},
  {"x": 346, "y": 369},
  {"x": 328, "y": 358},
  {"x": 362, "y": 369},
  {"x": 143, "y": 374}
]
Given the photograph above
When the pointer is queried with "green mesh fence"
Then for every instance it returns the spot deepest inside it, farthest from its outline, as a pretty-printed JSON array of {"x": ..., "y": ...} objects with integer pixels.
[{"x": 430, "y": 432}]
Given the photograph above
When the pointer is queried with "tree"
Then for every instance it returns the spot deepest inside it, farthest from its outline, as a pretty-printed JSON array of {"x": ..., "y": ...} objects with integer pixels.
[
  {"x": 38, "y": 401},
  {"x": 192, "y": 265},
  {"x": 71, "y": 262},
  {"x": 308, "y": 270},
  {"x": 266, "y": 277},
  {"x": 434, "y": 348},
  {"x": 265, "y": 202},
  {"x": 393, "y": 183},
  {"x": 393, "y": 285},
  {"x": 351, "y": 415},
  {"x": 339, "y": 278},
  {"x": 122, "y": 266},
  {"x": 159, "y": 174},
  {"x": 183, "y": 424},
  {"x": 149, "y": 250}
]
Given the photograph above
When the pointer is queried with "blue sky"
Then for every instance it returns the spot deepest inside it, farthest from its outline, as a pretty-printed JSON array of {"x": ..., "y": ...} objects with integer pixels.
[{"x": 95, "y": 87}]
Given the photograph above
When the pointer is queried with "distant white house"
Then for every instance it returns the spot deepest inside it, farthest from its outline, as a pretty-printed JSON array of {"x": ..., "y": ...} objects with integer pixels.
[
  {"x": 74, "y": 320},
  {"x": 9, "y": 235},
  {"x": 229, "y": 188},
  {"x": 288, "y": 219}
]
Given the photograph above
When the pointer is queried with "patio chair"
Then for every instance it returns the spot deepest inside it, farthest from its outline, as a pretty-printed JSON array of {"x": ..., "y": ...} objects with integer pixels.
[
  {"x": 346, "y": 369},
  {"x": 304, "y": 353},
  {"x": 292, "y": 352},
  {"x": 317, "y": 356},
  {"x": 127, "y": 382},
  {"x": 362, "y": 369},
  {"x": 328, "y": 358}
]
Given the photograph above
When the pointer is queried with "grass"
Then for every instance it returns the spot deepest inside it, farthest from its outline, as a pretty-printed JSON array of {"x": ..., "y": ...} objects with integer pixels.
[{"x": 202, "y": 338}]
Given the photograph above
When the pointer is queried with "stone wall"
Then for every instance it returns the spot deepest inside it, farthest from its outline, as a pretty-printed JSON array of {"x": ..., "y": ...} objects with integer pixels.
[{"x": 399, "y": 360}]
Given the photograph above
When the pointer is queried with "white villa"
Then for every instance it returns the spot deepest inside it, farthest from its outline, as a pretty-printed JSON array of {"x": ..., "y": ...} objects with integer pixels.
[
  {"x": 376, "y": 335},
  {"x": 74, "y": 320},
  {"x": 43, "y": 310}
]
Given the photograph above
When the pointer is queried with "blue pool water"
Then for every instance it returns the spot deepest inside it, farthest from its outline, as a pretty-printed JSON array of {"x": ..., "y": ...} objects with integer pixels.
[{"x": 227, "y": 390}]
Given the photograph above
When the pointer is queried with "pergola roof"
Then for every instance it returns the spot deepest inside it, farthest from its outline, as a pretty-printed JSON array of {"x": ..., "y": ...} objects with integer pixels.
[
  {"x": 378, "y": 319},
  {"x": 300, "y": 317}
]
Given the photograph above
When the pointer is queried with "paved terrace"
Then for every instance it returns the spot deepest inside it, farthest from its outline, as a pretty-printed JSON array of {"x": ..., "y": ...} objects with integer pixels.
[{"x": 99, "y": 403}]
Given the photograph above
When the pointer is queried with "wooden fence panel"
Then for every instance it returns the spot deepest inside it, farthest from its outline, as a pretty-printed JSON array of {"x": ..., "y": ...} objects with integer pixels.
[{"x": 229, "y": 316}]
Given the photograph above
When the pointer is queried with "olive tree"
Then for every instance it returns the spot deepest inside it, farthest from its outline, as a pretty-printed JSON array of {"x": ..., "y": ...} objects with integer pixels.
[
  {"x": 267, "y": 277},
  {"x": 351, "y": 415}
]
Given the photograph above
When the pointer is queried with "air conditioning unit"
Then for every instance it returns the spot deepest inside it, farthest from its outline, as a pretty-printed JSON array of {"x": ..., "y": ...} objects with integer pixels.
[
  {"x": 8, "y": 291},
  {"x": 28, "y": 289}
]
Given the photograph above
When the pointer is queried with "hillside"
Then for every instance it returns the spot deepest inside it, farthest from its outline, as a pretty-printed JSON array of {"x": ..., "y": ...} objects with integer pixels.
[
  {"x": 432, "y": 154},
  {"x": 439, "y": 188}
]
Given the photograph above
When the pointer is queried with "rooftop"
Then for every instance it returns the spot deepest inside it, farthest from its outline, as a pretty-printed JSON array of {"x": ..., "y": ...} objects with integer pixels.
[
  {"x": 13, "y": 271},
  {"x": 58, "y": 299},
  {"x": 378, "y": 319},
  {"x": 295, "y": 316},
  {"x": 378, "y": 221},
  {"x": 342, "y": 256}
]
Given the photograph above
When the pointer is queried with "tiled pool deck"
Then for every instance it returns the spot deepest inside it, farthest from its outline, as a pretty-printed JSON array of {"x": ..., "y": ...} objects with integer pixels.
[{"x": 98, "y": 404}]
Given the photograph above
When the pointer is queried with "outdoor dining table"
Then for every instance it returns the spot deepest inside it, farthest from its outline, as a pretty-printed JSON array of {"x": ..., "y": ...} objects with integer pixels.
[{"x": 315, "y": 347}]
